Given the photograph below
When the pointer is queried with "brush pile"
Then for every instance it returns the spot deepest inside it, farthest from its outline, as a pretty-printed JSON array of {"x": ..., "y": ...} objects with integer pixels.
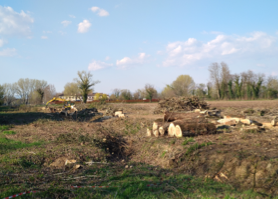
[
  {"x": 180, "y": 104},
  {"x": 87, "y": 112}
]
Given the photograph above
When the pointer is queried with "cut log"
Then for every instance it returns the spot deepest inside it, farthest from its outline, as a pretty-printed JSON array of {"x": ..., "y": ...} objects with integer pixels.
[
  {"x": 171, "y": 130},
  {"x": 191, "y": 129},
  {"x": 246, "y": 121},
  {"x": 203, "y": 112},
  {"x": 149, "y": 133},
  {"x": 118, "y": 113},
  {"x": 178, "y": 131},
  {"x": 161, "y": 131},
  {"x": 155, "y": 126},
  {"x": 274, "y": 122},
  {"x": 156, "y": 133},
  {"x": 228, "y": 121},
  {"x": 121, "y": 115},
  {"x": 267, "y": 125},
  {"x": 171, "y": 116},
  {"x": 161, "y": 126},
  {"x": 234, "y": 117}
]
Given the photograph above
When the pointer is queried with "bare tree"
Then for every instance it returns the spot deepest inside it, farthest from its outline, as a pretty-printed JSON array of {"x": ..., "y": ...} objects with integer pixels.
[
  {"x": 214, "y": 70},
  {"x": 9, "y": 93},
  {"x": 112, "y": 97},
  {"x": 117, "y": 93},
  {"x": 49, "y": 93},
  {"x": 85, "y": 83},
  {"x": 2, "y": 91},
  {"x": 138, "y": 94}
]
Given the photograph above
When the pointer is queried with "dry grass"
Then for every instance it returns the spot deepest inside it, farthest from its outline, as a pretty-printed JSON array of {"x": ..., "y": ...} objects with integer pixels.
[{"x": 243, "y": 160}]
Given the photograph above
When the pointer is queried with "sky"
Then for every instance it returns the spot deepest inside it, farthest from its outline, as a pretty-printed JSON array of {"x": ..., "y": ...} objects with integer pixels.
[{"x": 127, "y": 44}]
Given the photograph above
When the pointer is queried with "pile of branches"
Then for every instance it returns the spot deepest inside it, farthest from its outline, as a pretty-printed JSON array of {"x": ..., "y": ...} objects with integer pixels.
[
  {"x": 87, "y": 112},
  {"x": 181, "y": 104}
]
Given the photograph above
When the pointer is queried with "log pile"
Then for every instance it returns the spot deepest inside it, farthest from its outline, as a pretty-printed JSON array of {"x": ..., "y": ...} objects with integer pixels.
[
  {"x": 181, "y": 124},
  {"x": 180, "y": 104}
]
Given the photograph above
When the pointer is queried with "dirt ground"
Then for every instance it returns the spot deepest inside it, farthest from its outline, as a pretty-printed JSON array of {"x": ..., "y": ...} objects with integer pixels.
[{"x": 243, "y": 160}]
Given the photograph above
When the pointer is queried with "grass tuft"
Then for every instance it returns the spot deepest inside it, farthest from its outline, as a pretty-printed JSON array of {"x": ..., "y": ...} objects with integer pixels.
[{"x": 9, "y": 132}]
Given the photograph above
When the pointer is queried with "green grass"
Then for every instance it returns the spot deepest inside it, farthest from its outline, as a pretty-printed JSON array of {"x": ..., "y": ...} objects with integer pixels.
[
  {"x": 9, "y": 132},
  {"x": 7, "y": 145},
  {"x": 197, "y": 146},
  {"x": 3, "y": 128},
  {"x": 186, "y": 141},
  {"x": 140, "y": 182}
]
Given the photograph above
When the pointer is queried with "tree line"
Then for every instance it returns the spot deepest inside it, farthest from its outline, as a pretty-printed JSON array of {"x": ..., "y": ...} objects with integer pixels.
[
  {"x": 26, "y": 91},
  {"x": 33, "y": 91},
  {"x": 246, "y": 85},
  {"x": 225, "y": 86},
  {"x": 222, "y": 85}
]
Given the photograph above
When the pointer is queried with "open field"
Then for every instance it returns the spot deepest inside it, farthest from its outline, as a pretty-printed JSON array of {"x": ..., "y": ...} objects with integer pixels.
[{"x": 51, "y": 154}]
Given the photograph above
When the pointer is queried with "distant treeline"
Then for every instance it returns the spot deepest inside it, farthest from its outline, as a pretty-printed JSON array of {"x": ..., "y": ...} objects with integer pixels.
[{"x": 224, "y": 85}]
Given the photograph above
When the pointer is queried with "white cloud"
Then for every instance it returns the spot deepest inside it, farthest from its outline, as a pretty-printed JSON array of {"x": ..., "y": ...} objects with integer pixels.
[
  {"x": 126, "y": 61},
  {"x": 13, "y": 23},
  {"x": 44, "y": 37},
  {"x": 100, "y": 12},
  {"x": 222, "y": 46},
  {"x": 97, "y": 65},
  {"x": 72, "y": 16},
  {"x": 8, "y": 52},
  {"x": 107, "y": 58},
  {"x": 65, "y": 23},
  {"x": 84, "y": 26}
]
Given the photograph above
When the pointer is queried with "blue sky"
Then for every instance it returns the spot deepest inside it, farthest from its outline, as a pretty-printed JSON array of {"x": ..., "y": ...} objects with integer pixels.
[{"x": 126, "y": 44}]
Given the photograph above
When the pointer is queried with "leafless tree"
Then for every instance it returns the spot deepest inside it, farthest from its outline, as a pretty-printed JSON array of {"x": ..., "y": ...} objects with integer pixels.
[
  {"x": 214, "y": 70},
  {"x": 9, "y": 93},
  {"x": 138, "y": 94},
  {"x": 49, "y": 93},
  {"x": 117, "y": 93}
]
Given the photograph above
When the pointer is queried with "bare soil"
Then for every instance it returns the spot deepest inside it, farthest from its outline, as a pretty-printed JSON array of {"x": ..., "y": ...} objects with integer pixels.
[{"x": 244, "y": 160}]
